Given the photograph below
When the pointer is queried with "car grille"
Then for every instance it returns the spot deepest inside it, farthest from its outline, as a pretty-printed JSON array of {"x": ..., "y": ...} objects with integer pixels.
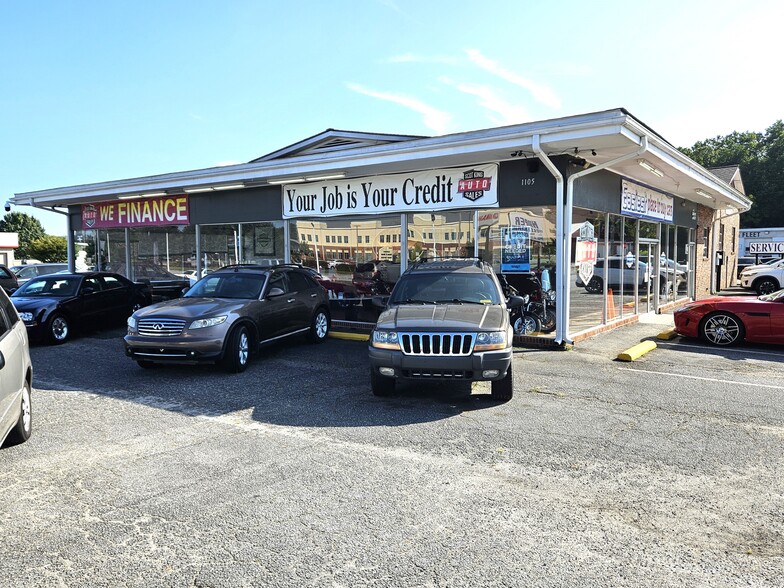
[
  {"x": 439, "y": 344},
  {"x": 439, "y": 374},
  {"x": 161, "y": 327}
]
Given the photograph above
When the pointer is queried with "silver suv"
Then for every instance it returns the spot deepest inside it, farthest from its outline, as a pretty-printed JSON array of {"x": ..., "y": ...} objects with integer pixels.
[
  {"x": 228, "y": 315},
  {"x": 445, "y": 321},
  {"x": 16, "y": 376}
]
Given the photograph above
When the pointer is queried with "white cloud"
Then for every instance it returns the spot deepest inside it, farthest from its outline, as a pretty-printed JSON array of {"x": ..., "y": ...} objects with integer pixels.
[
  {"x": 541, "y": 93},
  {"x": 490, "y": 100},
  {"x": 434, "y": 119}
]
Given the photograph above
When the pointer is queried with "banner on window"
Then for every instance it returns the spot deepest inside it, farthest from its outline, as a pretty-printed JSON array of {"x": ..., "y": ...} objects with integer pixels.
[
  {"x": 645, "y": 203},
  {"x": 143, "y": 212},
  {"x": 439, "y": 189},
  {"x": 515, "y": 249}
]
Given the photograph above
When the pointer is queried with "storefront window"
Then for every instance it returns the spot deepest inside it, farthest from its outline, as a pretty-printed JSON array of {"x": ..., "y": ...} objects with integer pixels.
[
  {"x": 262, "y": 243},
  {"x": 440, "y": 235},
  {"x": 220, "y": 246}
]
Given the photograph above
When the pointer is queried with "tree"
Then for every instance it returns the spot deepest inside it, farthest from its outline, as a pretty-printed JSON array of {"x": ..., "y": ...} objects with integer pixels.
[
  {"x": 760, "y": 157},
  {"x": 49, "y": 249},
  {"x": 28, "y": 227}
]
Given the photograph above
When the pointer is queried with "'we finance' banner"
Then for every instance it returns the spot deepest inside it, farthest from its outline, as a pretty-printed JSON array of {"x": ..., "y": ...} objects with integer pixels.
[{"x": 144, "y": 212}]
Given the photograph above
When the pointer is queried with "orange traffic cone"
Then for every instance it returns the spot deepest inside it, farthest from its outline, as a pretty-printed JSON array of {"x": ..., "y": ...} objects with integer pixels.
[{"x": 610, "y": 304}]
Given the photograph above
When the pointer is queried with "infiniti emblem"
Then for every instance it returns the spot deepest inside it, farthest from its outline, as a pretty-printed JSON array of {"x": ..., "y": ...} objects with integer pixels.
[{"x": 157, "y": 326}]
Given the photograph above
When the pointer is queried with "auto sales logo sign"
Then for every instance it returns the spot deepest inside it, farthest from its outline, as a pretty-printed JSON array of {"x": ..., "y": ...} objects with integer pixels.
[{"x": 439, "y": 189}]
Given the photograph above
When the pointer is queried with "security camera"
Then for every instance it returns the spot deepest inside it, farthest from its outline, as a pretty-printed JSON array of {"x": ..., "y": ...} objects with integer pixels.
[{"x": 8, "y": 206}]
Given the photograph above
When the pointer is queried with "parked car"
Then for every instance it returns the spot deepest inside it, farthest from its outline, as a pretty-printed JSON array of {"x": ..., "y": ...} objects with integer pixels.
[
  {"x": 52, "y": 306},
  {"x": 619, "y": 269},
  {"x": 228, "y": 315},
  {"x": 445, "y": 320},
  {"x": 32, "y": 270},
  {"x": 16, "y": 377},
  {"x": 8, "y": 280},
  {"x": 728, "y": 320},
  {"x": 764, "y": 278},
  {"x": 753, "y": 262}
]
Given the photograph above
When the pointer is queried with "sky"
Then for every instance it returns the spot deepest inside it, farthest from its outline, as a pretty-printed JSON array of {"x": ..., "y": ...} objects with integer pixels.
[{"x": 94, "y": 91}]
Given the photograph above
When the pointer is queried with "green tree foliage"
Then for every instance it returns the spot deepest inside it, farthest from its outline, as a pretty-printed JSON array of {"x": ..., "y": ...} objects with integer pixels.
[
  {"x": 28, "y": 227},
  {"x": 760, "y": 157},
  {"x": 49, "y": 249}
]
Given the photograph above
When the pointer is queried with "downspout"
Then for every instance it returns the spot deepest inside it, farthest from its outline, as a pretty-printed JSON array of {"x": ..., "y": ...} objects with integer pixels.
[
  {"x": 562, "y": 315},
  {"x": 561, "y": 285}
]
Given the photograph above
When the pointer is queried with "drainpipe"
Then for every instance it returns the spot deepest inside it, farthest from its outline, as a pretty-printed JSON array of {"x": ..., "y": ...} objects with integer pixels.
[
  {"x": 561, "y": 285},
  {"x": 562, "y": 316}
]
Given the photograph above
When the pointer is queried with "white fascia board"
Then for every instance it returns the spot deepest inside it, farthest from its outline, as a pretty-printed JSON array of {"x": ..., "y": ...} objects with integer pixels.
[{"x": 481, "y": 145}]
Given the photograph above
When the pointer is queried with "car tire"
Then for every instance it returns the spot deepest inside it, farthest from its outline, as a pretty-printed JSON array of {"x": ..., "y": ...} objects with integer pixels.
[
  {"x": 594, "y": 285},
  {"x": 319, "y": 326},
  {"x": 503, "y": 389},
  {"x": 146, "y": 364},
  {"x": 58, "y": 329},
  {"x": 766, "y": 285},
  {"x": 381, "y": 385},
  {"x": 237, "y": 353},
  {"x": 527, "y": 324},
  {"x": 722, "y": 329},
  {"x": 24, "y": 426}
]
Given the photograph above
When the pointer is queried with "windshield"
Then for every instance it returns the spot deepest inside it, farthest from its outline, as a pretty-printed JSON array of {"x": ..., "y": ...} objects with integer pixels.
[
  {"x": 50, "y": 286},
  {"x": 231, "y": 285},
  {"x": 445, "y": 288},
  {"x": 773, "y": 296}
]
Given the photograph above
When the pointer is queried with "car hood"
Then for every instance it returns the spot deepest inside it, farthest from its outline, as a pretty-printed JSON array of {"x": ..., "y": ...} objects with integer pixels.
[
  {"x": 29, "y": 303},
  {"x": 188, "y": 308},
  {"x": 725, "y": 302},
  {"x": 448, "y": 317}
]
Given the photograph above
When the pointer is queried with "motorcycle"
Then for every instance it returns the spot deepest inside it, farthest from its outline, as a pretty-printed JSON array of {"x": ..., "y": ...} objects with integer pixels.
[
  {"x": 524, "y": 322},
  {"x": 540, "y": 305}
]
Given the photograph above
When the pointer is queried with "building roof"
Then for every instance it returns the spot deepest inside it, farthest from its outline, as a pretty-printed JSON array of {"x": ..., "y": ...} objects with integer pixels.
[
  {"x": 730, "y": 175},
  {"x": 612, "y": 138}
]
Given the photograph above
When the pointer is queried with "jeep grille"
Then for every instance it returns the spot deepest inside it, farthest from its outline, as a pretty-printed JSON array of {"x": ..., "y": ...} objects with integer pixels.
[
  {"x": 161, "y": 327},
  {"x": 441, "y": 344}
]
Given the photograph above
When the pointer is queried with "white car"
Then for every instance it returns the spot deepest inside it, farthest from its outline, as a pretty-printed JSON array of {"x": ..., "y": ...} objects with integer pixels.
[
  {"x": 16, "y": 376},
  {"x": 765, "y": 278}
]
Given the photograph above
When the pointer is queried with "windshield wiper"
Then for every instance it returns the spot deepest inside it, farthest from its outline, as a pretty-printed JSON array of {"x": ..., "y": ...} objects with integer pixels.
[{"x": 412, "y": 301}]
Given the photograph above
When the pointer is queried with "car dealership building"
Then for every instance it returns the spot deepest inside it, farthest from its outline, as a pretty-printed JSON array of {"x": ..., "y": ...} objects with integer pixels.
[{"x": 624, "y": 222}]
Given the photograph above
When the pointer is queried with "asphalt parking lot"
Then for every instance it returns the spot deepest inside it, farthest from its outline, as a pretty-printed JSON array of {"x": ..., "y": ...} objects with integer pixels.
[{"x": 666, "y": 471}]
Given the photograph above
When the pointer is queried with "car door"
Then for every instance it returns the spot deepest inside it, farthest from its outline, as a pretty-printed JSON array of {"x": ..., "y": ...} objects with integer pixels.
[
  {"x": 12, "y": 365},
  {"x": 93, "y": 304},
  {"x": 306, "y": 294},
  {"x": 275, "y": 310},
  {"x": 117, "y": 297}
]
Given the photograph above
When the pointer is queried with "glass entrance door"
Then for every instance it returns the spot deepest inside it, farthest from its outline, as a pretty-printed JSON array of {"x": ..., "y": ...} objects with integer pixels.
[{"x": 648, "y": 279}]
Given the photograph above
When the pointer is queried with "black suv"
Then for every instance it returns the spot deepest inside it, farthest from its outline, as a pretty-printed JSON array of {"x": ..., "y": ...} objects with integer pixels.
[
  {"x": 227, "y": 315},
  {"x": 445, "y": 320}
]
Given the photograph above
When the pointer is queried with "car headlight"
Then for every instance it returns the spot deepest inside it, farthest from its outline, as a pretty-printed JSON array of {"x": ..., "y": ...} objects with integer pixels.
[
  {"x": 26, "y": 316},
  {"x": 208, "y": 322},
  {"x": 385, "y": 340},
  {"x": 489, "y": 341},
  {"x": 131, "y": 323}
]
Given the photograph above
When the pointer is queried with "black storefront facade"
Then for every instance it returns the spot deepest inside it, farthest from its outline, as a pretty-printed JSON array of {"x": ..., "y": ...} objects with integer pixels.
[{"x": 598, "y": 203}]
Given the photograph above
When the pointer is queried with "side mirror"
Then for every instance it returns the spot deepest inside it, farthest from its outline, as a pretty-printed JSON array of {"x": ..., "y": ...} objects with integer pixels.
[
  {"x": 88, "y": 290},
  {"x": 275, "y": 292},
  {"x": 515, "y": 302}
]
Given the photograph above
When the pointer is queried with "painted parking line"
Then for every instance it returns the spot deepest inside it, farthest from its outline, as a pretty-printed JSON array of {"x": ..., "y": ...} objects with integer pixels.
[
  {"x": 681, "y": 376},
  {"x": 743, "y": 350}
]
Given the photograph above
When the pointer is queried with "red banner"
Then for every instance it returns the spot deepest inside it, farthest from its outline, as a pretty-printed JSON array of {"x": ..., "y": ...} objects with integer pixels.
[{"x": 144, "y": 212}]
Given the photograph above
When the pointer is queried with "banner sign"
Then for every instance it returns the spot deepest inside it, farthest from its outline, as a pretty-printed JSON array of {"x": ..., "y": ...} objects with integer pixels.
[
  {"x": 645, "y": 203},
  {"x": 143, "y": 212},
  {"x": 515, "y": 249},
  {"x": 440, "y": 189},
  {"x": 766, "y": 247},
  {"x": 538, "y": 227}
]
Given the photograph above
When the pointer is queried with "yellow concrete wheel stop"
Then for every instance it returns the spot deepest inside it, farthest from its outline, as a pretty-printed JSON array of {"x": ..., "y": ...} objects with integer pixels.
[{"x": 637, "y": 351}]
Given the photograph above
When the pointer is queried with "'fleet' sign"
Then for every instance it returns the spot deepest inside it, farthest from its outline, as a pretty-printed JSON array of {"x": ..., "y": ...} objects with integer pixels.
[
  {"x": 144, "y": 212},
  {"x": 469, "y": 187},
  {"x": 645, "y": 203}
]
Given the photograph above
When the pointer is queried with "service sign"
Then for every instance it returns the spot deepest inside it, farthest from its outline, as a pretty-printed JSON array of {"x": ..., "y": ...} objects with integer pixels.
[
  {"x": 756, "y": 247},
  {"x": 645, "y": 203},
  {"x": 142, "y": 212},
  {"x": 440, "y": 189}
]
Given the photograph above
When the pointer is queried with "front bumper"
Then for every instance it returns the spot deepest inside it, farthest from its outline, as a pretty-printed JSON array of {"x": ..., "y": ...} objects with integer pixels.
[
  {"x": 442, "y": 367},
  {"x": 174, "y": 349}
]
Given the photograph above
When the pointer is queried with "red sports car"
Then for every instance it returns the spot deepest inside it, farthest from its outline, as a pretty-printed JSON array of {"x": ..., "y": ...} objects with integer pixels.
[{"x": 727, "y": 320}]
